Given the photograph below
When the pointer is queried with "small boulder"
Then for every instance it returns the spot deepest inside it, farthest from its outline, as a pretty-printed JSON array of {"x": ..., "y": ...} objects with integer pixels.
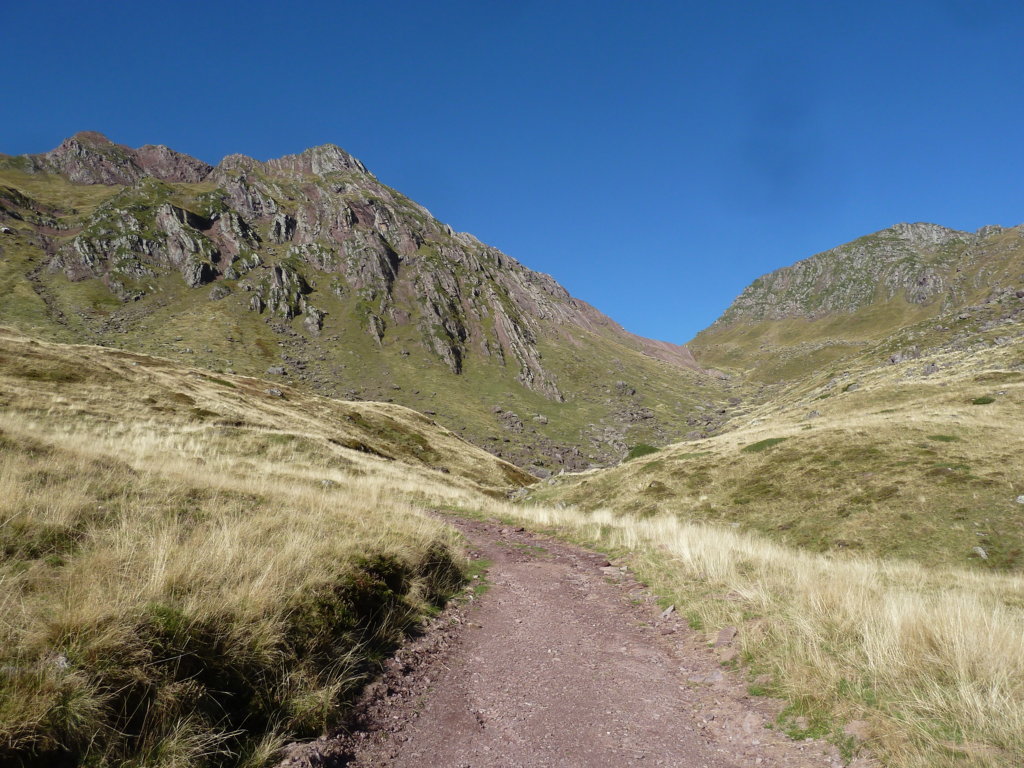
[
  {"x": 219, "y": 291},
  {"x": 275, "y": 370},
  {"x": 726, "y": 636}
]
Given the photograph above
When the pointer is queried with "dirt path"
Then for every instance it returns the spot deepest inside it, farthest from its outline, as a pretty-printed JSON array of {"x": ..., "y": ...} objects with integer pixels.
[{"x": 565, "y": 661}]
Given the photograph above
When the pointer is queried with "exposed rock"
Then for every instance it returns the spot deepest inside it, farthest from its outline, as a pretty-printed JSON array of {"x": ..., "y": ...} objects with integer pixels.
[
  {"x": 91, "y": 158},
  {"x": 314, "y": 320},
  {"x": 316, "y": 233},
  {"x": 219, "y": 292},
  {"x": 510, "y": 421},
  {"x": 725, "y": 636}
]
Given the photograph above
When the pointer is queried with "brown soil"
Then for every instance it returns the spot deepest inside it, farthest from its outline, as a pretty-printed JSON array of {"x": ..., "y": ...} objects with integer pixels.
[{"x": 565, "y": 661}]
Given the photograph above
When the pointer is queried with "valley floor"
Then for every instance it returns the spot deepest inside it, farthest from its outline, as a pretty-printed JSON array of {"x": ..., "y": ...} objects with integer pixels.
[{"x": 564, "y": 661}]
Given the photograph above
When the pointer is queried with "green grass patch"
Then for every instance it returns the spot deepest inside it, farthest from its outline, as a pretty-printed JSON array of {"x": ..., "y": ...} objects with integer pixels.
[
  {"x": 984, "y": 400},
  {"x": 641, "y": 449},
  {"x": 762, "y": 445},
  {"x": 944, "y": 438}
]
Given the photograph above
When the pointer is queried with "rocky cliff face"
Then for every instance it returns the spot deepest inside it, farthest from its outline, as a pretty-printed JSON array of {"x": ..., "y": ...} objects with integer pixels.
[{"x": 315, "y": 244}]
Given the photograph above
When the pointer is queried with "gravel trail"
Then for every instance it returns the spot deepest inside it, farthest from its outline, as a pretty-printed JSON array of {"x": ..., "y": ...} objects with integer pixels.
[{"x": 565, "y": 661}]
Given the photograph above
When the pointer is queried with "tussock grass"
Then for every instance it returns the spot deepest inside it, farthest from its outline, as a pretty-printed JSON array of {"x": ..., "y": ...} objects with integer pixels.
[
  {"x": 164, "y": 615},
  {"x": 192, "y": 572}
]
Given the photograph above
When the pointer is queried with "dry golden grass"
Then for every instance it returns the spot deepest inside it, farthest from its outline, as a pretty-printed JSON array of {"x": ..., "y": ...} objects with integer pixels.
[
  {"x": 144, "y": 537},
  {"x": 185, "y": 608},
  {"x": 193, "y": 569}
]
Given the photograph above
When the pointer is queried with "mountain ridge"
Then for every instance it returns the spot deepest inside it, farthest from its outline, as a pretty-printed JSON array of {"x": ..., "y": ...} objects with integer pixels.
[
  {"x": 314, "y": 244},
  {"x": 916, "y": 285}
]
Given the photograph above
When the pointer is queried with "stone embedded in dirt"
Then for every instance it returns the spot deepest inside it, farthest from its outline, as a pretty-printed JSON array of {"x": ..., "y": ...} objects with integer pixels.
[
  {"x": 929, "y": 369},
  {"x": 275, "y": 392},
  {"x": 980, "y": 552},
  {"x": 1020, "y": 499},
  {"x": 725, "y": 636},
  {"x": 668, "y": 612},
  {"x": 725, "y": 655},
  {"x": 714, "y": 676},
  {"x": 275, "y": 370}
]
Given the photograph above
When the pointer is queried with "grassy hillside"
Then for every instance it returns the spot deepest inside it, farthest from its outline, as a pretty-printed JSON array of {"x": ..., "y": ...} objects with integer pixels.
[
  {"x": 195, "y": 569},
  {"x": 893, "y": 292},
  {"x": 889, "y": 461}
]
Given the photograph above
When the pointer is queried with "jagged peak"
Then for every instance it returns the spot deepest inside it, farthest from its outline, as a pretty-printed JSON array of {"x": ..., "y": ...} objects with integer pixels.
[
  {"x": 319, "y": 160},
  {"x": 924, "y": 233},
  {"x": 90, "y": 157},
  {"x": 315, "y": 161},
  {"x": 93, "y": 138}
]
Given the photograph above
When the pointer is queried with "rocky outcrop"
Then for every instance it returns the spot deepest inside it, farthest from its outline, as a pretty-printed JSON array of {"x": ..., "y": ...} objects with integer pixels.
[
  {"x": 126, "y": 240},
  {"x": 91, "y": 158},
  {"x": 287, "y": 229}
]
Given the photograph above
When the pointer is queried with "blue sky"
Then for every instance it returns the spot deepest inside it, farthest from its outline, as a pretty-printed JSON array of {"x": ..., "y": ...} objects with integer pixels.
[{"x": 655, "y": 157}]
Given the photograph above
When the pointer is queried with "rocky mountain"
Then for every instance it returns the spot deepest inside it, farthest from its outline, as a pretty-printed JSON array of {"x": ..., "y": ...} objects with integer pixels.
[
  {"x": 308, "y": 268},
  {"x": 896, "y": 293}
]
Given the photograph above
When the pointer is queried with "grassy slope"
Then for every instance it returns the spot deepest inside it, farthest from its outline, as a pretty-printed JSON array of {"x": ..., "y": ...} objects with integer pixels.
[
  {"x": 194, "y": 570},
  {"x": 183, "y": 324},
  {"x": 903, "y": 465}
]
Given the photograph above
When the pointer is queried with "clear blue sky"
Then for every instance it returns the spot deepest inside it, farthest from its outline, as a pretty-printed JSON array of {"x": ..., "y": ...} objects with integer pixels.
[{"x": 655, "y": 157}]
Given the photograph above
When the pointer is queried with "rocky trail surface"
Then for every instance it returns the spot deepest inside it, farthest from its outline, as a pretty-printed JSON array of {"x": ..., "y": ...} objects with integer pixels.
[{"x": 564, "y": 661}]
